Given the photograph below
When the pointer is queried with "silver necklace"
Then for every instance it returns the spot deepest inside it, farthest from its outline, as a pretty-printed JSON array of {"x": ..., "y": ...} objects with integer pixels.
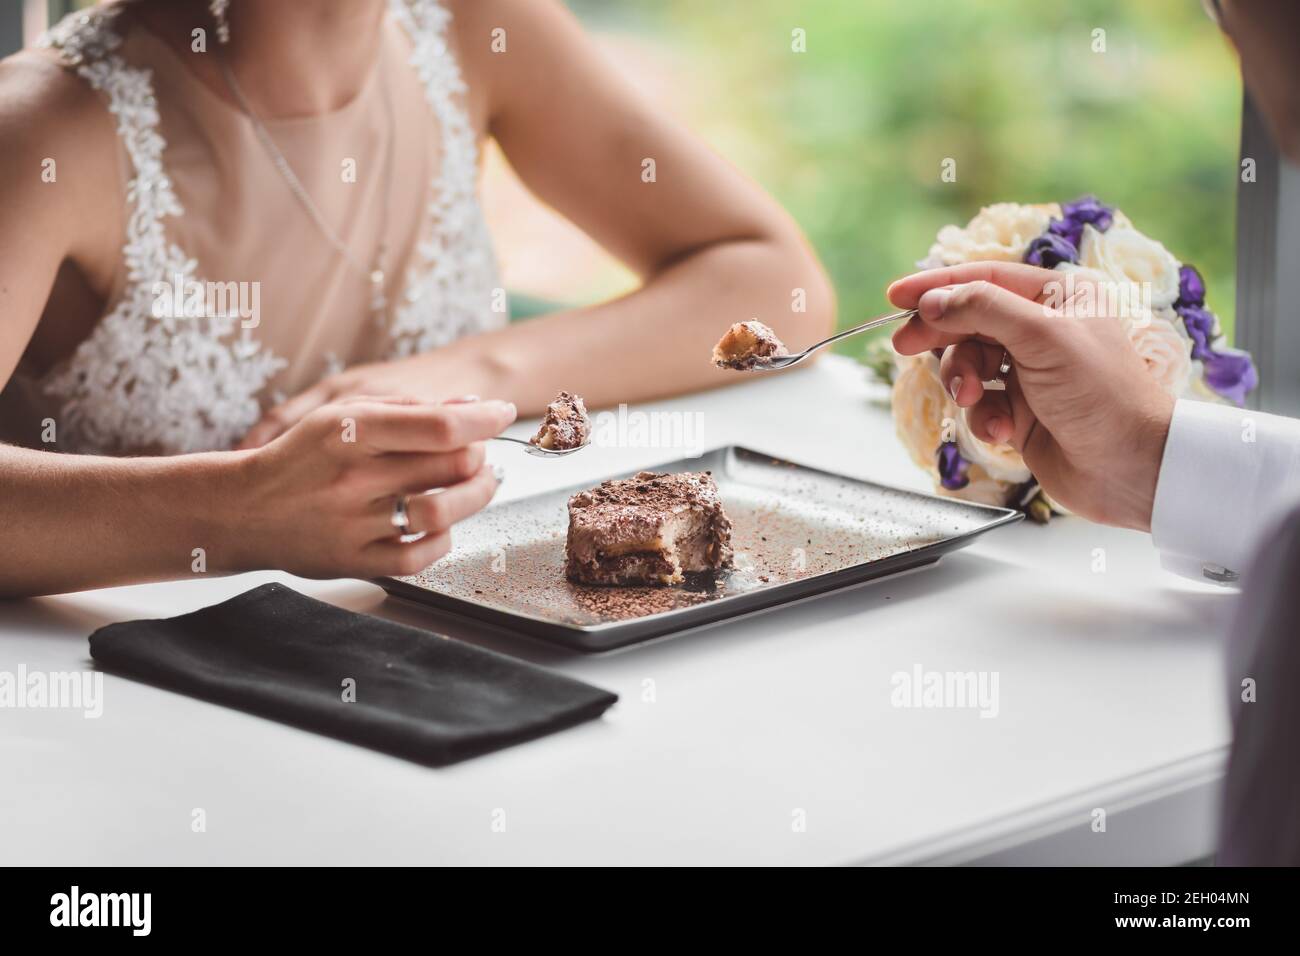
[{"x": 374, "y": 271}]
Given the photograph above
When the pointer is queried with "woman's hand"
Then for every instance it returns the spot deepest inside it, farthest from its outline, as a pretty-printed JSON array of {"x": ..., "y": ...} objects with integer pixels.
[
  {"x": 1079, "y": 405},
  {"x": 419, "y": 378},
  {"x": 318, "y": 501}
]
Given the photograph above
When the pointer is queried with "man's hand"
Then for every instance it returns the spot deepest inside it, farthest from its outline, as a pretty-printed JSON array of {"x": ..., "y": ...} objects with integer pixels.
[{"x": 1079, "y": 405}]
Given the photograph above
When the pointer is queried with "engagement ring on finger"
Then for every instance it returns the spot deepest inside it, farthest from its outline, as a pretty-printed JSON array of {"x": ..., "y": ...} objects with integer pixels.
[
  {"x": 400, "y": 518},
  {"x": 999, "y": 381}
]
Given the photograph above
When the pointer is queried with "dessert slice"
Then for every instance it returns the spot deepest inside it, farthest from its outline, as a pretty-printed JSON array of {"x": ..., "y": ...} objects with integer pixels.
[
  {"x": 649, "y": 529},
  {"x": 747, "y": 344},
  {"x": 565, "y": 425}
]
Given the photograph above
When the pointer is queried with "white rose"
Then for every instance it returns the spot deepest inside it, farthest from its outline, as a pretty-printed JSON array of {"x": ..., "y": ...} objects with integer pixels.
[
  {"x": 920, "y": 406},
  {"x": 1001, "y": 232},
  {"x": 1165, "y": 350},
  {"x": 1127, "y": 256}
]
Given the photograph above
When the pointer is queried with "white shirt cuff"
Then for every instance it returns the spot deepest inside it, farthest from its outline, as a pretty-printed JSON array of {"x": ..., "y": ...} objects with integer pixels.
[{"x": 1226, "y": 471}]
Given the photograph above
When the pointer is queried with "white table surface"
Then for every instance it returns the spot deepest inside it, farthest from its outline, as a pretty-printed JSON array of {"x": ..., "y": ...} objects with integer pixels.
[{"x": 1110, "y": 687}]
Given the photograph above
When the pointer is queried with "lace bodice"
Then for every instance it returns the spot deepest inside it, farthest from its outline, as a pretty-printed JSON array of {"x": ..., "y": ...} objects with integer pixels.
[{"x": 147, "y": 378}]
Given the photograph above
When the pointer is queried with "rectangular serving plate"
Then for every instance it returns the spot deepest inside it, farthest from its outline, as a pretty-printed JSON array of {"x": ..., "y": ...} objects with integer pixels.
[{"x": 797, "y": 532}]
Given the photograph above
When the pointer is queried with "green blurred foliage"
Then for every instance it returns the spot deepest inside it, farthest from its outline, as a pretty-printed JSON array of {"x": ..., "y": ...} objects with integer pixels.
[{"x": 850, "y": 135}]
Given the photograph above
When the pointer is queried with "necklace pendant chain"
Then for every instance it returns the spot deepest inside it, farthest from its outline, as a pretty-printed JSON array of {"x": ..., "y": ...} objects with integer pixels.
[
  {"x": 375, "y": 271},
  {"x": 378, "y": 300}
]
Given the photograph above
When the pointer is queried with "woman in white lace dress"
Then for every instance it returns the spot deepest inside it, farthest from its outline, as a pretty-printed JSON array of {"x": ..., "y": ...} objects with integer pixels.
[{"x": 245, "y": 276}]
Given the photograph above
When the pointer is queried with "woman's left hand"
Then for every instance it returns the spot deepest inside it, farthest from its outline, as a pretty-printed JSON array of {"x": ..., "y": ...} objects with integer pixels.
[{"x": 414, "y": 377}]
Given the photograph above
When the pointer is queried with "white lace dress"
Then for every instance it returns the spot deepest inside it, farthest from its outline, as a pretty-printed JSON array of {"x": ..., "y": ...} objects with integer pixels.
[{"x": 205, "y": 208}]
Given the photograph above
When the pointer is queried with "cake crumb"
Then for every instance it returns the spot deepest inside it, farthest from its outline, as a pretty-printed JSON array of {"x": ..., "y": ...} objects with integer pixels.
[
  {"x": 747, "y": 345},
  {"x": 565, "y": 426}
]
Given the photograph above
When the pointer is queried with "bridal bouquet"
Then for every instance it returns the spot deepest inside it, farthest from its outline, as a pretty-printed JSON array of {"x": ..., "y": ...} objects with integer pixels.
[{"x": 1161, "y": 303}]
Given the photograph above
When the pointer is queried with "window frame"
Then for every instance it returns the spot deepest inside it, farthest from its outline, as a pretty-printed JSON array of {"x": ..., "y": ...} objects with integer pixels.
[{"x": 1268, "y": 266}]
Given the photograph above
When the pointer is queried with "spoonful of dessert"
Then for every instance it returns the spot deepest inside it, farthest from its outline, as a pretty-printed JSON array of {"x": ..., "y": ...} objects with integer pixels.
[
  {"x": 566, "y": 428},
  {"x": 753, "y": 347}
]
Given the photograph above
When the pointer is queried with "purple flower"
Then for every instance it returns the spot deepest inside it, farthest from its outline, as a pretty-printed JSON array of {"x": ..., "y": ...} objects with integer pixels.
[
  {"x": 1090, "y": 210},
  {"x": 1067, "y": 229},
  {"x": 1191, "y": 287},
  {"x": 1200, "y": 324},
  {"x": 1231, "y": 373},
  {"x": 952, "y": 467},
  {"x": 1049, "y": 249}
]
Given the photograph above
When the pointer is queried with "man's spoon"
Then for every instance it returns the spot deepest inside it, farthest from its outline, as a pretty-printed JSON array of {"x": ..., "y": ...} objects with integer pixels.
[{"x": 771, "y": 363}]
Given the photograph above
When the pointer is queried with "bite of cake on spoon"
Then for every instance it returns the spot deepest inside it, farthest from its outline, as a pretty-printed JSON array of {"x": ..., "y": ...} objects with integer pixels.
[
  {"x": 747, "y": 344},
  {"x": 565, "y": 425}
]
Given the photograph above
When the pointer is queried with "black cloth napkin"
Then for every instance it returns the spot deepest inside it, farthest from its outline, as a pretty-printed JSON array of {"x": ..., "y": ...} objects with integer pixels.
[{"x": 280, "y": 654}]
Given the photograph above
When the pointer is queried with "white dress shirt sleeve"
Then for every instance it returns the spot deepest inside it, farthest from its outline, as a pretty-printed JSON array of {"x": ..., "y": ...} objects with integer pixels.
[{"x": 1225, "y": 474}]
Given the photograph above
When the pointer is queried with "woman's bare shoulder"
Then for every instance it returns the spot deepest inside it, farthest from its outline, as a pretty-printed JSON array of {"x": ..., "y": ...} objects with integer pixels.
[
  {"x": 45, "y": 99},
  {"x": 56, "y": 131},
  {"x": 498, "y": 41}
]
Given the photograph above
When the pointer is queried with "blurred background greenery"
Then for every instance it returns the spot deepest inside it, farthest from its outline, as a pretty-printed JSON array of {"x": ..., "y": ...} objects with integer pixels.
[{"x": 850, "y": 135}]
